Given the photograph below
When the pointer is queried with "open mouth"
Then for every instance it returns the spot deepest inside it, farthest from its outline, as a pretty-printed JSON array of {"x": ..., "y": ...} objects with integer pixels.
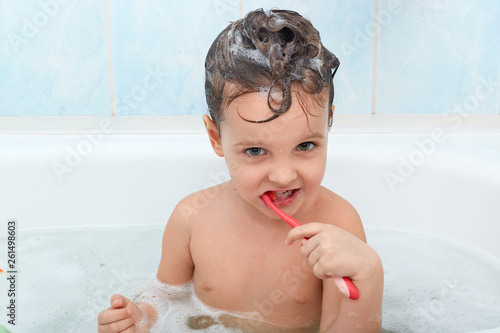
[{"x": 283, "y": 198}]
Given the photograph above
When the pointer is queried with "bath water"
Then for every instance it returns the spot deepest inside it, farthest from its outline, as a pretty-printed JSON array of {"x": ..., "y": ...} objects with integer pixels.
[{"x": 66, "y": 277}]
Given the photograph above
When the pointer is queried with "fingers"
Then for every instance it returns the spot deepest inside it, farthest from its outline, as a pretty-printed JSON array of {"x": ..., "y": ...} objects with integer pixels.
[
  {"x": 330, "y": 251},
  {"x": 313, "y": 257},
  {"x": 113, "y": 315},
  {"x": 323, "y": 270},
  {"x": 307, "y": 230},
  {"x": 321, "y": 250},
  {"x": 119, "y": 301},
  {"x": 118, "y": 317},
  {"x": 122, "y": 326}
]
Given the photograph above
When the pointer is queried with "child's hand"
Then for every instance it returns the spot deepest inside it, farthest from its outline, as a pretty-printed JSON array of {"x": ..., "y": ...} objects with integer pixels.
[
  {"x": 331, "y": 251},
  {"x": 122, "y": 316}
]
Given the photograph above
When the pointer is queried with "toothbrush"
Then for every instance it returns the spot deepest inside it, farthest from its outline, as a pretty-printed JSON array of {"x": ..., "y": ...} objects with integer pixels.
[{"x": 344, "y": 284}]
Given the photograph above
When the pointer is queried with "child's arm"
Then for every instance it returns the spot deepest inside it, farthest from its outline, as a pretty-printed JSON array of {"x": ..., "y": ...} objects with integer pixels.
[
  {"x": 176, "y": 267},
  {"x": 341, "y": 251}
]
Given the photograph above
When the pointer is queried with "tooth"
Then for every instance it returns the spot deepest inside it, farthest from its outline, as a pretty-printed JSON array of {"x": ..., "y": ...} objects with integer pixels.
[{"x": 284, "y": 194}]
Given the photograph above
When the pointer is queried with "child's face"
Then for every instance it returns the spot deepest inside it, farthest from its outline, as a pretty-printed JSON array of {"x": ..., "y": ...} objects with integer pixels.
[{"x": 286, "y": 155}]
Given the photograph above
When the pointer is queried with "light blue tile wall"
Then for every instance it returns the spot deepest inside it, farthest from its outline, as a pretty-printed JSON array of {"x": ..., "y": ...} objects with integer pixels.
[
  {"x": 53, "y": 58},
  {"x": 159, "y": 50},
  {"x": 432, "y": 56}
]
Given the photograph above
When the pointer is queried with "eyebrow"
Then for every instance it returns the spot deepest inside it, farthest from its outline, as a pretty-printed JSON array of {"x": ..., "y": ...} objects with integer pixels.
[
  {"x": 312, "y": 136},
  {"x": 255, "y": 143},
  {"x": 316, "y": 135},
  {"x": 259, "y": 143}
]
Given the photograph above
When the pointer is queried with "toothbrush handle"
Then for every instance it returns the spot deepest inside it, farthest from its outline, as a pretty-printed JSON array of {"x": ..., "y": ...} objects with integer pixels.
[
  {"x": 346, "y": 287},
  {"x": 344, "y": 284}
]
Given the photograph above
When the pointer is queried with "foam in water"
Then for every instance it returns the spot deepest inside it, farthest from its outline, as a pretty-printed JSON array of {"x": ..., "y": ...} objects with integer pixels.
[
  {"x": 67, "y": 276},
  {"x": 430, "y": 283},
  {"x": 179, "y": 309}
]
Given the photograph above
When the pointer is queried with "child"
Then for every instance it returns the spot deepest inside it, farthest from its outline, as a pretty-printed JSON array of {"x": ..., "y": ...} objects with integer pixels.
[{"x": 269, "y": 89}]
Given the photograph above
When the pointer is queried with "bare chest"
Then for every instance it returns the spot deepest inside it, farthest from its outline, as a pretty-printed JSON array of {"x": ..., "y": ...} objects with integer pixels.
[{"x": 262, "y": 280}]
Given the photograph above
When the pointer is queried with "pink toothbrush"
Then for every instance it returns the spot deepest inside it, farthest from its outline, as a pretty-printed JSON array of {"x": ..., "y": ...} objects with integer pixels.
[{"x": 344, "y": 284}]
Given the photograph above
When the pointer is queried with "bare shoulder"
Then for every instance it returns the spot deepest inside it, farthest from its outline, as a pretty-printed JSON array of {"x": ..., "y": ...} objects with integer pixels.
[
  {"x": 196, "y": 208},
  {"x": 176, "y": 264},
  {"x": 198, "y": 204},
  {"x": 339, "y": 212}
]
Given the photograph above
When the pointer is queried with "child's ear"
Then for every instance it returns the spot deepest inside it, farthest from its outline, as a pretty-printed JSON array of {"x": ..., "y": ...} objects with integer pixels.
[
  {"x": 213, "y": 135},
  {"x": 330, "y": 116}
]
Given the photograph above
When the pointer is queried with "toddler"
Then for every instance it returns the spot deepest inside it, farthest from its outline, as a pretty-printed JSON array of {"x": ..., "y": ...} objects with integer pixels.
[{"x": 269, "y": 90}]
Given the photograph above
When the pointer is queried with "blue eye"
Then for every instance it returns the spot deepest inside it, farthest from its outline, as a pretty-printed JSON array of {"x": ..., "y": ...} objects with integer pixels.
[
  {"x": 304, "y": 146},
  {"x": 255, "y": 151}
]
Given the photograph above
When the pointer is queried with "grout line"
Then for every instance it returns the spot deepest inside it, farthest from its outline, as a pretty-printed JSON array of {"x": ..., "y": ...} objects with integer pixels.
[
  {"x": 110, "y": 62},
  {"x": 242, "y": 3},
  {"x": 375, "y": 55}
]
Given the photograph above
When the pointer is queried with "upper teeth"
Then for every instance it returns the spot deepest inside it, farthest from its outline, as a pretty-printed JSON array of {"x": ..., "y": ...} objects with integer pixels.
[{"x": 281, "y": 195}]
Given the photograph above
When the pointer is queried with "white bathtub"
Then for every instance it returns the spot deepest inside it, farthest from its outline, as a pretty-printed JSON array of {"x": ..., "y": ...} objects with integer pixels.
[
  {"x": 63, "y": 187},
  {"x": 449, "y": 184}
]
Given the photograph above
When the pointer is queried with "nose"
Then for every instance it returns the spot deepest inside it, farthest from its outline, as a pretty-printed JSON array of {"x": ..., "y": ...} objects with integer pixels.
[{"x": 282, "y": 173}]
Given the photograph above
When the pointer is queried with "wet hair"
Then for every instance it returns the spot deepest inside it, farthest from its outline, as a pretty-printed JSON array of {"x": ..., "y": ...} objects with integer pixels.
[{"x": 268, "y": 51}]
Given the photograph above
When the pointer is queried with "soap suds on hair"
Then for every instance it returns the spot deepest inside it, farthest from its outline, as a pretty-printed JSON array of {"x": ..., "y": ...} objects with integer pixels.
[
  {"x": 274, "y": 48},
  {"x": 247, "y": 54}
]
